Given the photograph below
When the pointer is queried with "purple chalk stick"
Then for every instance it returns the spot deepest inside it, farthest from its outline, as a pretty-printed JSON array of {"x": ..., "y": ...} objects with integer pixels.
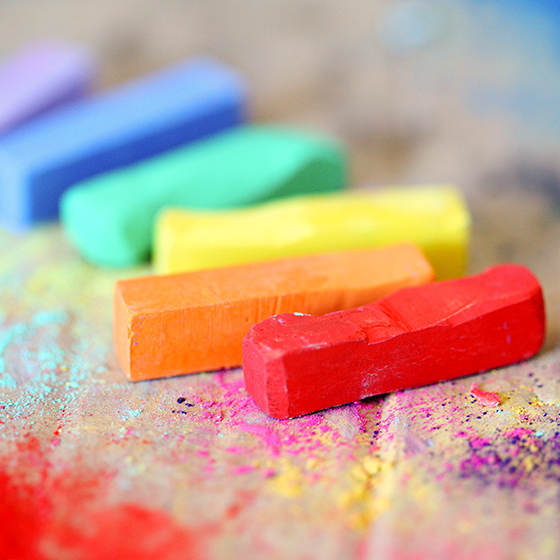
[{"x": 41, "y": 76}]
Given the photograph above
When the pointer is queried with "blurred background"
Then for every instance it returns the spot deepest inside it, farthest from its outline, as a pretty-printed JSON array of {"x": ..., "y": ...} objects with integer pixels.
[{"x": 454, "y": 91}]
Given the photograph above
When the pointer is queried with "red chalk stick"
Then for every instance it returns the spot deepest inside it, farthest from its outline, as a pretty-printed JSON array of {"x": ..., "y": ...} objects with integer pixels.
[{"x": 297, "y": 364}]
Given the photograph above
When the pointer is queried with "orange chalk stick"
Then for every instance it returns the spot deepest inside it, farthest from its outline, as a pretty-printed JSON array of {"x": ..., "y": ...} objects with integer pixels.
[{"x": 186, "y": 323}]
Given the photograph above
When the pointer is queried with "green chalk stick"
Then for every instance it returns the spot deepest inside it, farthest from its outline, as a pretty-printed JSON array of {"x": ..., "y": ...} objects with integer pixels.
[{"x": 110, "y": 218}]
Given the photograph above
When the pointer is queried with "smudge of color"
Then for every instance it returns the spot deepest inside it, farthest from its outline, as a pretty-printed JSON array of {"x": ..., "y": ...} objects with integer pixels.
[
  {"x": 48, "y": 515},
  {"x": 485, "y": 398},
  {"x": 516, "y": 457}
]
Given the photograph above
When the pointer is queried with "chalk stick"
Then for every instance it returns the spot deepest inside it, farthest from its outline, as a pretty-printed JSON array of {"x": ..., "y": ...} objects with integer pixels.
[
  {"x": 295, "y": 365},
  {"x": 186, "y": 323},
  {"x": 41, "y": 159},
  {"x": 435, "y": 217},
  {"x": 41, "y": 76},
  {"x": 110, "y": 218}
]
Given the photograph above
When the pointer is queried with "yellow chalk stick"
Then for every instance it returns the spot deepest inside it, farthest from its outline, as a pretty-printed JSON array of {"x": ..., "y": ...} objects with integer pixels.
[{"x": 434, "y": 217}]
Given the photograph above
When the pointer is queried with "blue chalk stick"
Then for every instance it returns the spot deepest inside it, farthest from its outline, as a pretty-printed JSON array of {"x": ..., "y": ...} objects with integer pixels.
[{"x": 41, "y": 159}]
